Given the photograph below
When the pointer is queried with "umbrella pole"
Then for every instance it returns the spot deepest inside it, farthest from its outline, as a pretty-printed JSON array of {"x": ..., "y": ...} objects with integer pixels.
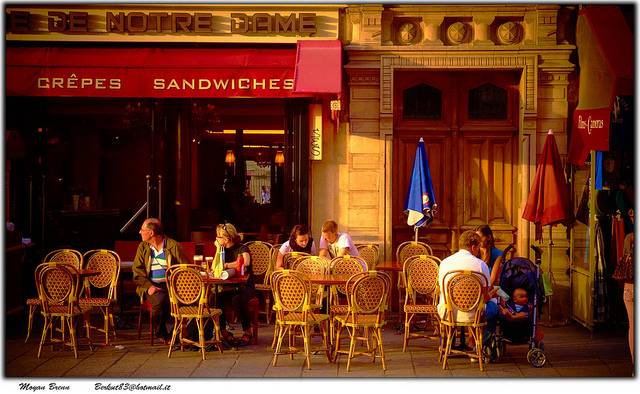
[
  {"x": 415, "y": 230},
  {"x": 550, "y": 273}
]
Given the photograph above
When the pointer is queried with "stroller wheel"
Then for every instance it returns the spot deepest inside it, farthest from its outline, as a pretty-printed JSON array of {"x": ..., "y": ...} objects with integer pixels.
[{"x": 536, "y": 357}]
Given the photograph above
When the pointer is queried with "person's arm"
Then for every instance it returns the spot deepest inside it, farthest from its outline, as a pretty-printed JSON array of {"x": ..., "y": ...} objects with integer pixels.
[
  {"x": 343, "y": 244},
  {"x": 140, "y": 276},
  {"x": 279, "y": 261},
  {"x": 324, "y": 253},
  {"x": 497, "y": 265}
]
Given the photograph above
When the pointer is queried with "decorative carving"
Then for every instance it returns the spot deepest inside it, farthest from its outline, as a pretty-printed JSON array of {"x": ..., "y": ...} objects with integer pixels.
[
  {"x": 408, "y": 33},
  {"x": 458, "y": 33},
  {"x": 509, "y": 33}
]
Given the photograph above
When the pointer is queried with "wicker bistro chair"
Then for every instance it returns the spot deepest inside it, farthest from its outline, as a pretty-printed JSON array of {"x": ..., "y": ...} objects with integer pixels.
[
  {"x": 346, "y": 264},
  {"x": 464, "y": 297},
  {"x": 367, "y": 295},
  {"x": 59, "y": 285},
  {"x": 309, "y": 265},
  {"x": 67, "y": 256},
  {"x": 261, "y": 253},
  {"x": 293, "y": 294},
  {"x": 108, "y": 263},
  {"x": 289, "y": 258},
  {"x": 188, "y": 297},
  {"x": 403, "y": 252},
  {"x": 421, "y": 298},
  {"x": 370, "y": 254}
]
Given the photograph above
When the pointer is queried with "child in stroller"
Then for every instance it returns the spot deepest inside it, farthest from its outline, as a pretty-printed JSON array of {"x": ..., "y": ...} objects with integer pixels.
[{"x": 518, "y": 325}]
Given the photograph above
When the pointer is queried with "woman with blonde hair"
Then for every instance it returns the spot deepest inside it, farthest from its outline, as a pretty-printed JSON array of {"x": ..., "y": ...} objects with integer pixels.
[{"x": 229, "y": 239}]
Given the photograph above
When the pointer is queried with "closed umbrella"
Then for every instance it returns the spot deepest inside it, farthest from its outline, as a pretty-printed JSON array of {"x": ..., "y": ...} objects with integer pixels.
[
  {"x": 548, "y": 202},
  {"x": 420, "y": 206}
]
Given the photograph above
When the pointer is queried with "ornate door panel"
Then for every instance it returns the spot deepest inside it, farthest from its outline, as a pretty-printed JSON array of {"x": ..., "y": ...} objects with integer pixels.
[
  {"x": 468, "y": 122},
  {"x": 488, "y": 175}
]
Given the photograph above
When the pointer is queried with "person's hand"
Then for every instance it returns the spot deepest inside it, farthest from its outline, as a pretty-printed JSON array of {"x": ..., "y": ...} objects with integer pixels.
[
  {"x": 152, "y": 290},
  {"x": 492, "y": 292}
]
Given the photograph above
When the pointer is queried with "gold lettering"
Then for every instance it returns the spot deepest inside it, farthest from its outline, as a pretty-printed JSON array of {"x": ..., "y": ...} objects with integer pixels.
[
  {"x": 288, "y": 25},
  {"x": 220, "y": 83},
  {"x": 114, "y": 22},
  {"x": 186, "y": 84},
  {"x": 78, "y": 21},
  {"x": 307, "y": 23},
  {"x": 202, "y": 23},
  {"x": 244, "y": 83},
  {"x": 157, "y": 17},
  {"x": 115, "y": 84},
  {"x": 182, "y": 20},
  {"x": 274, "y": 84},
  {"x": 243, "y": 27},
  {"x": 59, "y": 24},
  {"x": 19, "y": 22},
  {"x": 260, "y": 21},
  {"x": 204, "y": 84},
  {"x": 158, "y": 84},
  {"x": 263, "y": 84},
  {"x": 134, "y": 27},
  {"x": 100, "y": 83}
]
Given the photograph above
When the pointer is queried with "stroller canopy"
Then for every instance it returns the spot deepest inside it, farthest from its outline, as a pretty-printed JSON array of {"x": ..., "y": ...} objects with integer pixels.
[{"x": 520, "y": 273}]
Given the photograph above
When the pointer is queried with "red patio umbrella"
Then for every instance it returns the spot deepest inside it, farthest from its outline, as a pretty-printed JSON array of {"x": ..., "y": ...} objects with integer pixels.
[{"x": 548, "y": 202}]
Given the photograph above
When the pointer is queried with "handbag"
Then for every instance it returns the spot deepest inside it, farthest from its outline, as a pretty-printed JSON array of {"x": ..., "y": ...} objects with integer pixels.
[{"x": 624, "y": 269}]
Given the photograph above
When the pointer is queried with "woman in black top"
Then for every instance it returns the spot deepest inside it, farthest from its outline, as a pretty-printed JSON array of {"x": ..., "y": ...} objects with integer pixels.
[{"x": 231, "y": 241}]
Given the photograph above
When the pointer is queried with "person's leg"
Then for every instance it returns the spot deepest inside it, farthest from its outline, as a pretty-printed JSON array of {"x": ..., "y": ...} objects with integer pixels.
[
  {"x": 160, "y": 311},
  {"x": 629, "y": 304},
  {"x": 240, "y": 305}
]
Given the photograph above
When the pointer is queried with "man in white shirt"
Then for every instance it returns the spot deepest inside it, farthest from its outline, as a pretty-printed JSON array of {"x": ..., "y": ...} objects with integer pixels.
[
  {"x": 334, "y": 244},
  {"x": 467, "y": 258}
]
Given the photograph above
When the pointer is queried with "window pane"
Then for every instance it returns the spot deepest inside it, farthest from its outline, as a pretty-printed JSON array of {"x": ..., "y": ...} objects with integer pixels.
[
  {"x": 488, "y": 102},
  {"x": 422, "y": 102}
]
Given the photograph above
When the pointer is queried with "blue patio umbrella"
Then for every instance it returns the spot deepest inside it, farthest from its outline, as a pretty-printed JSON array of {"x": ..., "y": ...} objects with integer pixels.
[{"x": 420, "y": 206}]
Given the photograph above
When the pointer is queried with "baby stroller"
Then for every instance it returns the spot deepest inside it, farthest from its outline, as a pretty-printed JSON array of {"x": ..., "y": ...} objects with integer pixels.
[{"x": 519, "y": 273}]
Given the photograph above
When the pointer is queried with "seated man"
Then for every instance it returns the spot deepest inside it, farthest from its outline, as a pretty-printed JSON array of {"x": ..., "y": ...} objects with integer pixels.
[
  {"x": 334, "y": 244},
  {"x": 467, "y": 258},
  {"x": 155, "y": 254}
]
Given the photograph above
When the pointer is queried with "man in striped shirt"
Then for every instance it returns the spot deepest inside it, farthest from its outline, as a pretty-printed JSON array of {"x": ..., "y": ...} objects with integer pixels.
[{"x": 155, "y": 254}]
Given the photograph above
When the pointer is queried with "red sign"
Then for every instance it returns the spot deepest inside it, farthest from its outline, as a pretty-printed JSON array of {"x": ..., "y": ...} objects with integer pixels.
[
  {"x": 105, "y": 82},
  {"x": 48, "y": 72},
  {"x": 589, "y": 131}
]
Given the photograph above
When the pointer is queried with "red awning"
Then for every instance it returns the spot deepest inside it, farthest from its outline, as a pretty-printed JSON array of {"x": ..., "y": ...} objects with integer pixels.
[
  {"x": 605, "y": 53},
  {"x": 318, "y": 67},
  {"x": 153, "y": 72}
]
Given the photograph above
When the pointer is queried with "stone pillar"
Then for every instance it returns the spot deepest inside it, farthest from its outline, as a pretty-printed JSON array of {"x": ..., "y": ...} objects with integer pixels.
[
  {"x": 431, "y": 30},
  {"x": 482, "y": 30}
]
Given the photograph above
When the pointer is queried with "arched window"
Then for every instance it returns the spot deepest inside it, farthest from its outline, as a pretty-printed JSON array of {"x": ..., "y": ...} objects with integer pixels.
[
  {"x": 422, "y": 102},
  {"x": 488, "y": 102}
]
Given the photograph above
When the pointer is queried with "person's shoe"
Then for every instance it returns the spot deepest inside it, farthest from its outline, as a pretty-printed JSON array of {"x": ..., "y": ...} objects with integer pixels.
[
  {"x": 244, "y": 340},
  {"x": 473, "y": 359}
]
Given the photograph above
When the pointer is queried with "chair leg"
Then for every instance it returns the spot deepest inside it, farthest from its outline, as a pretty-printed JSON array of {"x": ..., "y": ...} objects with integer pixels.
[{"x": 32, "y": 311}]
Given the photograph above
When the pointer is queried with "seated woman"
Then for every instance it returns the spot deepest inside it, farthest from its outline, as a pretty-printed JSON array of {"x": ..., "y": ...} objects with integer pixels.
[
  {"x": 299, "y": 241},
  {"x": 231, "y": 241}
]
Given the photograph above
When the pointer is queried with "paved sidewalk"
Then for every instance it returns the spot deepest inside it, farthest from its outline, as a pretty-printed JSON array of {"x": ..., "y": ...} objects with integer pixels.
[{"x": 570, "y": 352}]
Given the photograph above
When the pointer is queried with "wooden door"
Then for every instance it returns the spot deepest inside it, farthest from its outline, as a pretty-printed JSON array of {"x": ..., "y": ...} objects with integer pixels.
[{"x": 472, "y": 148}]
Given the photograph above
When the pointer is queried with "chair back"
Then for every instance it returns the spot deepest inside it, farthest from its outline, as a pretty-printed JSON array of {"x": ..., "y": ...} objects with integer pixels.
[
  {"x": 187, "y": 287},
  {"x": 464, "y": 292},
  {"x": 313, "y": 265},
  {"x": 65, "y": 256},
  {"x": 289, "y": 258},
  {"x": 108, "y": 263},
  {"x": 346, "y": 264},
  {"x": 421, "y": 273},
  {"x": 412, "y": 248},
  {"x": 58, "y": 286},
  {"x": 370, "y": 254},
  {"x": 291, "y": 292},
  {"x": 367, "y": 294},
  {"x": 260, "y": 257}
]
